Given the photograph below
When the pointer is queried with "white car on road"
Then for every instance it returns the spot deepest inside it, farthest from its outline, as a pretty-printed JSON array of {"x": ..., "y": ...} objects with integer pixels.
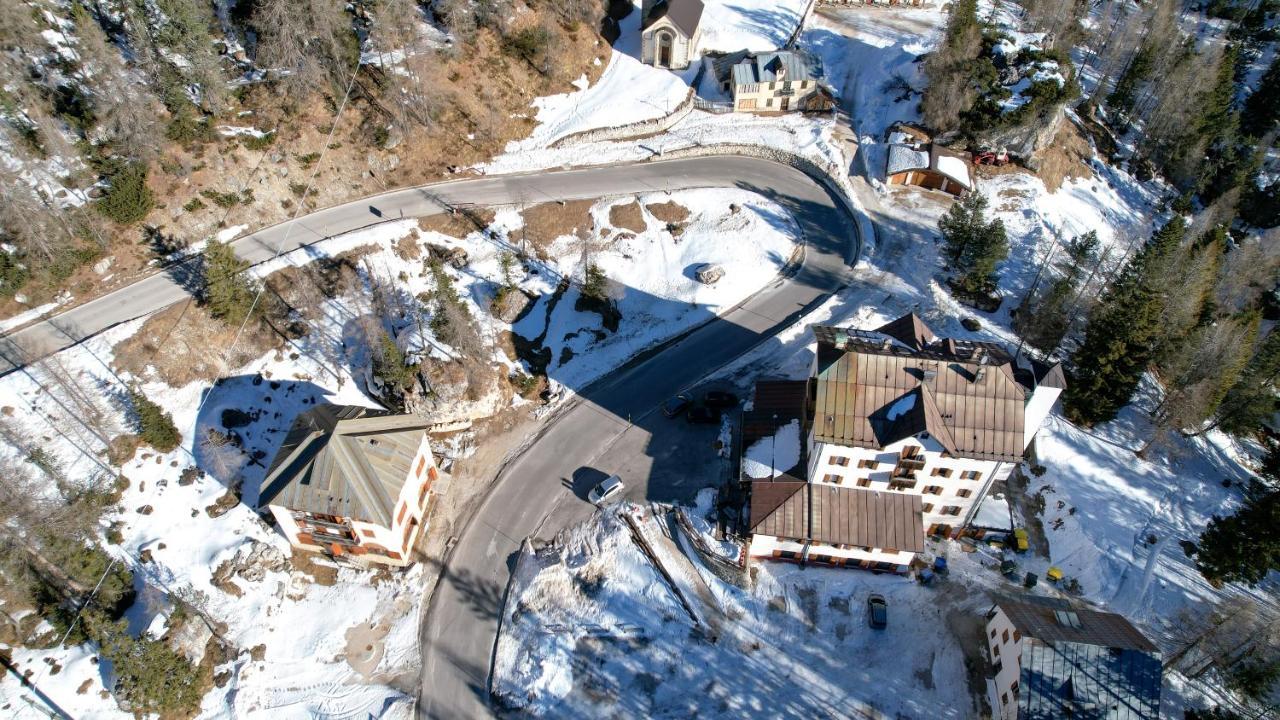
[{"x": 607, "y": 488}]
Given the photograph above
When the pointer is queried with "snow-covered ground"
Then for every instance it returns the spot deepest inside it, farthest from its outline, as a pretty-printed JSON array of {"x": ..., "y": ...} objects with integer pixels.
[
  {"x": 593, "y": 629},
  {"x": 312, "y": 666}
]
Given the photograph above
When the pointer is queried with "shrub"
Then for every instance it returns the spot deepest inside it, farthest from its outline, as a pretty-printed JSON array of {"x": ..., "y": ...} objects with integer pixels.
[
  {"x": 259, "y": 142},
  {"x": 150, "y": 676},
  {"x": 307, "y": 160},
  {"x": 528, "y": 43},
  {"x": 128, "y": 199},
  {"x": 222, "y": 199},
  {"x": 13, "y": 274},
  {"x": 155, "y": 426},
  {"x": 69, "y": 259},
  {"x": 194, "y": 205}
]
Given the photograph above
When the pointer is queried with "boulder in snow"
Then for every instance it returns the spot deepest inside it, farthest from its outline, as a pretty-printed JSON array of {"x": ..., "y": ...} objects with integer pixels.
[{"x": 709, "y": 273}]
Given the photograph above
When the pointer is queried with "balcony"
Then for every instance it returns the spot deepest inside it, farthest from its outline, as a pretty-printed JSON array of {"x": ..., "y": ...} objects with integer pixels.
[{"x": 902, "y": 483}]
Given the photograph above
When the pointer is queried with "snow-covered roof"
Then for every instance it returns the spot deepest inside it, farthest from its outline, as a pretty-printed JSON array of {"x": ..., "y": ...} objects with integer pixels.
[
  {"x": 955, "y": 168},
  {"x": 771, "y": 456},
  {"x": 906, "y": 157}
]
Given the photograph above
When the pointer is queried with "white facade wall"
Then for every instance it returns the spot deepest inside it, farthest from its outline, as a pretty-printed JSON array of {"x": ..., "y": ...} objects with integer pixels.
[
  {"x": 1004, "y": 648},
  {"x": 1039, "y": 403},
  {"x": 764, "y": 546},
  {"x": 953, "y": 493},
  {"x": 406, "y": 511},
  {"x": 768, "y": 96},
  {"x": 682, "y": 48}
]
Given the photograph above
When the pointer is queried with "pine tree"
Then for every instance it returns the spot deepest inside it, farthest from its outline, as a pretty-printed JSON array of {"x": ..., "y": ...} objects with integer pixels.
[
  {"x": 1262, "y": 108},
  {"x": 228, "y": 290},
  {"x": 1122, "y": 333},
  {"x": 1139, "y": 69},
  {"x": 1045, "y": 317},
  {"x": 155, "y": 426},
  {"x": 972, "y": 244},
  {"x": 594, "y": 283},
  {"x": 1252, "y": 399},
  {"x": 1243, "y": 547}
]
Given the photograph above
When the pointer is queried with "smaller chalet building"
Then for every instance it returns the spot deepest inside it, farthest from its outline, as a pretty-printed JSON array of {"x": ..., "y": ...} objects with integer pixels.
[
  {"x": 916, "y": 162},
  {"x": 353, "y": 483},
  {"x": 669, "y": 32},
  {"x": 1055, "y": 660},
  {"x": 777, "y": 82}
]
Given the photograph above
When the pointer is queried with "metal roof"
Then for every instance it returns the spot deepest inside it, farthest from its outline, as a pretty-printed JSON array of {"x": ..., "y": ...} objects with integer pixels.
[
  {"x": 684, "y": 15},
  {"x": 903, "y": 158},
  {"x": 782, "y": 66},
  {"x": 873, "y": 390},
  {"x": 1080, "y": 662},
  {"x": 1035, "y": 616},
  {"x": 837, "y": 515},
  {"x": 344, "y": 460}
]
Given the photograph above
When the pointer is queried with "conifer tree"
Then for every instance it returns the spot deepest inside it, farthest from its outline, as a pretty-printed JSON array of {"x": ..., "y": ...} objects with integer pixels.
[
  {"x": 972, "y": 244},
  {"x": 1122, "y": 333},
  {"x": 1243, "y": 547},
  {"x": 155, "y": 426},
  {"x": 1262, "y": 108},
  {"x": 228, "y": 291},
  {"x": 1139, "y": 69}
]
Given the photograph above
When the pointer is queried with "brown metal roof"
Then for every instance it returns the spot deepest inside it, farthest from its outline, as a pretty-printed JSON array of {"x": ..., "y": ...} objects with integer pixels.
[
  {"x": 1038, "y": 617},
  {"x": 910, "y": 330},
  {"x": 837, "y": 515},
  {"x": 872, "y": 392},
  {"x": 344, "y": 460},
  {"x": 684, "y": 14}
]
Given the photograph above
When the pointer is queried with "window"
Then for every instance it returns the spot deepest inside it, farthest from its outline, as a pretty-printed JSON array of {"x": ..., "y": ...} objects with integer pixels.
[
  {"x": 1017, "y": 635},
  {"x": 771, "y": 87},
  {"x": 433, "y": 474},
  {"x": 1004, "y": 636},
  {"x": 963, "y": 493},
  {"x": 993, "y": 633},
  {"x": 366, "y": 532},
  {"x": 932, "y": 490},
  {"x": 831, "y": 478},
  {"x": 1014, "y": 687},
  {"x": 864, "y": 482},
  {"x": 995, "y": 650},
  {"x": 840, "y": 461},
  {"x": 970, "y": 475},
  {"x": 747, "y": 104},
  {"x": 400, "y": 515},
  {"x": 951, "y": 510},
  {"x": 769, "y": 102},
  {"x": 1004, "y": 698},
  {"x": 786, "y": 87},
  {"x": 408, "y": 530},
  {"x": 941, "y": 472},
  {"x": 422, "y": 494},
  {"x": 422, "y": 463},
  {"x": 868, "y": 464},
  {"x": 927, "y": 507}
]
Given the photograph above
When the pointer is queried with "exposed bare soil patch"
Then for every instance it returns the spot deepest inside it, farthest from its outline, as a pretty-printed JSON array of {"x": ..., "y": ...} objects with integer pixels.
[
  {"x": 545, "y": 222},
  {"x": 1066, "y": 157},
  {"x": 184, "y": 343},
  {"x": 668, "y": 212},
  {"x": 460, "y": 225},
  {"x": 628, "y": 216}
]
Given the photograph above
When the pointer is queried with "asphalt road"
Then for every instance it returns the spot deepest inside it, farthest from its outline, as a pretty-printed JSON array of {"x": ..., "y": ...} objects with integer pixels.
[
  {"x": 615, "y": 424},
  {"x": 163, "y": 289}
]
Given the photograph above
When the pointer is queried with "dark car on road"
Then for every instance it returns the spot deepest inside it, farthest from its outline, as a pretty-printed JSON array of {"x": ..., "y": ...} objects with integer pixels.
[
  {"x": 703, "y": 415},
  {"x": 676, "y": 405},
  {"x": 877, "y": 611},
  {"x": 719, "y": 399}
]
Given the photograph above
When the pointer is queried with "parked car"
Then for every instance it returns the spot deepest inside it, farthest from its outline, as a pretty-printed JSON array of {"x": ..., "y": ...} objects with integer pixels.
[
  {"x": 676, "y": 405},
  {"x": 719, "y": 399},
  {"x": 703, "y": 415},
  {"x": 607, "y": 488},
  {"x": 877, "y": 611}
]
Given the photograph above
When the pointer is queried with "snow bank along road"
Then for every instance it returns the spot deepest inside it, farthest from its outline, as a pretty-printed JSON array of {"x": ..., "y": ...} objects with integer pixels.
[
  {"x": 612, "y": 419},
  {"x": 609, "y": 419}
]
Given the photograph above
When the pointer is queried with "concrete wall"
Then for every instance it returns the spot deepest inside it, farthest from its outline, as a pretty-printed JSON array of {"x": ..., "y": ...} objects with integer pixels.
[
  {"x": 1003, "y": 647},
  {"x": 770, "y": 547}
]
